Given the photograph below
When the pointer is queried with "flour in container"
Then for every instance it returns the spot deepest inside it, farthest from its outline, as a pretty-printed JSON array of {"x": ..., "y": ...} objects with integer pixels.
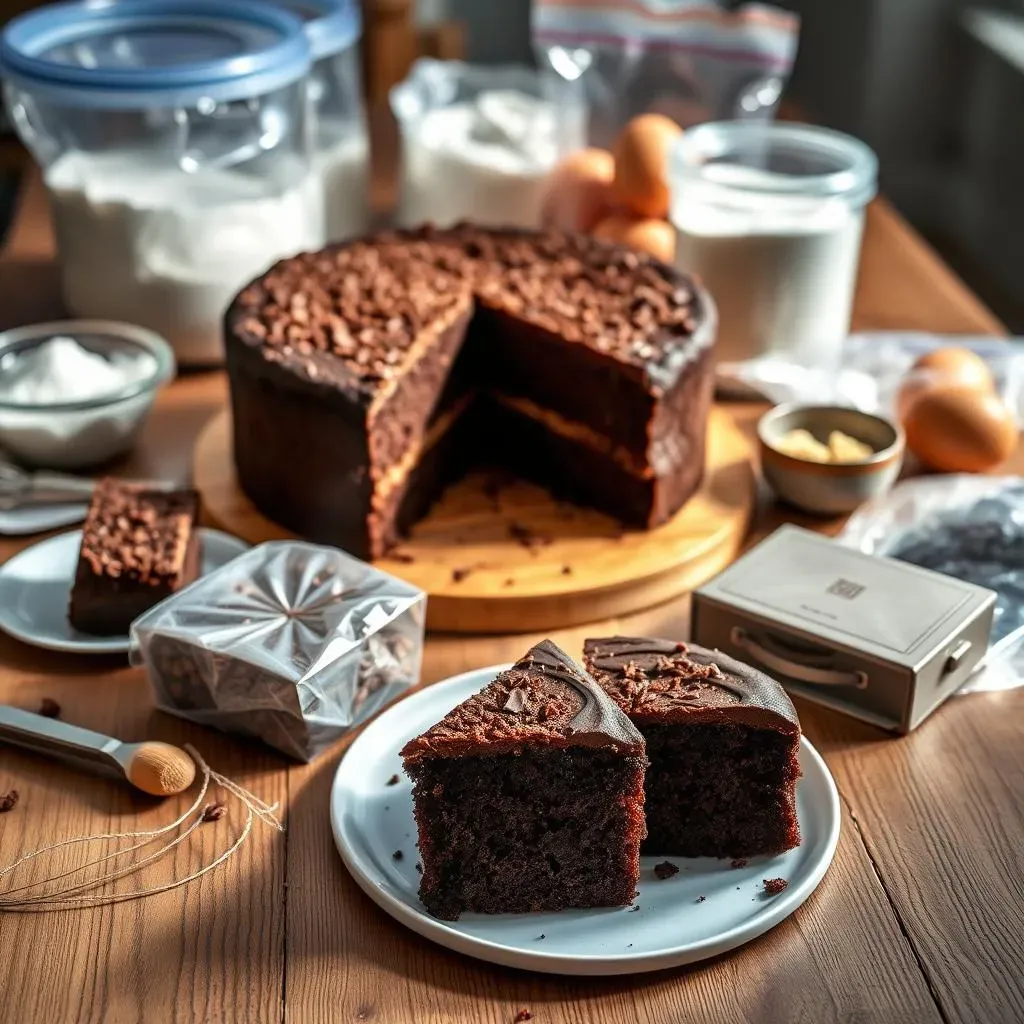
[{"x": 149, "y": 244}]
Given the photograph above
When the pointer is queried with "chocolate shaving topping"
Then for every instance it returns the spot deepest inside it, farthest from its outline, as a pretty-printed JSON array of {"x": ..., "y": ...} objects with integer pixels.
[
  {"x": 516, "y": 702},
  {"x": 137, "y": 532},
  {"x": 364, "y": 304}
]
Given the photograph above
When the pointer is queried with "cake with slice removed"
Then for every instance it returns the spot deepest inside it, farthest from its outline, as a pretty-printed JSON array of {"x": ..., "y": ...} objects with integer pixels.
[
  {"x": 723, "y": 742},
  {"x": 529, "y": 795},
  {"x": 367, "y": 377}
]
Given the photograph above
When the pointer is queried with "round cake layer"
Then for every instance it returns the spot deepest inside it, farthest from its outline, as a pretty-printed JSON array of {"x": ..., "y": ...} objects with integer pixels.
[{"x": 367, "y": 376}]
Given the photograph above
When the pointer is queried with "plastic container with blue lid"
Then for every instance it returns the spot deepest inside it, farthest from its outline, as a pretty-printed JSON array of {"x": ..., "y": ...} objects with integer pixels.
[
  {"x": 342, "y": 151},
  {"x": 174, "y": 138}
]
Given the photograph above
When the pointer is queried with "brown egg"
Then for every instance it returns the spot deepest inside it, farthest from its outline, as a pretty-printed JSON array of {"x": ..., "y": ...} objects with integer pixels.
[
  {"x": 959, "y": 429},
  {"x": 956, "y": 364},
  {"x": 578, "y": 191},
  {"x": 641, "y": 164},
  {"x": 647, "y": 234}
]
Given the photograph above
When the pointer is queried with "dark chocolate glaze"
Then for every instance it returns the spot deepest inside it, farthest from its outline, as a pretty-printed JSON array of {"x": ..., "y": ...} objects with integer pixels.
[
  {"x": 544, "y": 700},
  {"x": 661, "y": 680},
  {"x": 599, "y": 716}
]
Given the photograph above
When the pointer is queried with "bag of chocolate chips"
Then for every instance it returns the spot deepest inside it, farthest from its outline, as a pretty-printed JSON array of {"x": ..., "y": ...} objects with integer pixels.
[
  {"x": 291, "y": 643},
  {"x": 966, "y": 526}
]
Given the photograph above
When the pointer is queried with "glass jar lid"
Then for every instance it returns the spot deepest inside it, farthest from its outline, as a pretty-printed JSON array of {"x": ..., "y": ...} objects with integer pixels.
[
  {"x": 794, "y": 160},
  {"x": 331, "y": 25},
  {"x": 154, "y": 53}
]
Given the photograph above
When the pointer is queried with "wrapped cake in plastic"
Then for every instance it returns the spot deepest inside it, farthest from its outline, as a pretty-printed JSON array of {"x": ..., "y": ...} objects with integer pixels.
[{"x": 290, "y": 643}]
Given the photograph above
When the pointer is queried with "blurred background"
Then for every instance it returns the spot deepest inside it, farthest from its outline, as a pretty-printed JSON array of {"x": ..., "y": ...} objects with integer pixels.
[{"x": 936, "y": 87}]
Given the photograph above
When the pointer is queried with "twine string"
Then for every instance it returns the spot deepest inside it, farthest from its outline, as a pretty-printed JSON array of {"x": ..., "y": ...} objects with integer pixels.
[{"x": 71, "y": 896}]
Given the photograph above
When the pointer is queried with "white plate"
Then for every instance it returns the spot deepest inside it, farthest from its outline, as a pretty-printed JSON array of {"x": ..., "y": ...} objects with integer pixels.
[
  {"x": 35, "y": 586},
  {"x": 372, "y": 820}
]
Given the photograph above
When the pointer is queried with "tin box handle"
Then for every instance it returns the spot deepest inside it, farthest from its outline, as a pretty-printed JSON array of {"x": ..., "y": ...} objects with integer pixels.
[{"x": 804, "y": 673}]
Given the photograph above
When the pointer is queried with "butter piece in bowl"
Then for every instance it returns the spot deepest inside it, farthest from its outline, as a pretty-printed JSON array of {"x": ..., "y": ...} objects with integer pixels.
[{"x": 828, "y": 459}]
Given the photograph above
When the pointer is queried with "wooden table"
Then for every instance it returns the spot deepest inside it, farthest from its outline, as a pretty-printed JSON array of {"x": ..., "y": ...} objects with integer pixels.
[{"x": 919, "y": 918}]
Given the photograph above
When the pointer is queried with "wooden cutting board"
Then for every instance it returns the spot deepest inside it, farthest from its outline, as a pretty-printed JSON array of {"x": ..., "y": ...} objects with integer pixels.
[{"x": 497, "y": 554}]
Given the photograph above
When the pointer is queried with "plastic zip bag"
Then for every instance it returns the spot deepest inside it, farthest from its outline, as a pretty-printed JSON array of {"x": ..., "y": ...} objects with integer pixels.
[
  {"x": 688, "y": 59},
  {"x": 969, "y": 527}
]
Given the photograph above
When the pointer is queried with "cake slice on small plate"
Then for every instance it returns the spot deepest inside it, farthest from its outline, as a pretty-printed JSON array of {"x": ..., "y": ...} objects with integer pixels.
[
  {"x": 723, "y": 741},
  {"x": 529, "y": 795},
  {"x": 139, "y": 545}
]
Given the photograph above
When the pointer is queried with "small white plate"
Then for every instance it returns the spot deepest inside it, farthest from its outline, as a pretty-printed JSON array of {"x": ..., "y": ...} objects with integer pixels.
[
  {"x": 371, "y": 820},
  {"x": 35, "y": 587}
]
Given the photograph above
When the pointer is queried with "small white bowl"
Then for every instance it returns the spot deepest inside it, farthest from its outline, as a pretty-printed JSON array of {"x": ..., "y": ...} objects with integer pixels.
[
  {"x": 78, "y": 435},
  {"x": 829, "y": 488}
]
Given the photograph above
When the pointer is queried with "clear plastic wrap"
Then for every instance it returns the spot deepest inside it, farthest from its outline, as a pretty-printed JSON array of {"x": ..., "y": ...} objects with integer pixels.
[
  {"x": 693, "y": 60},
  {"x": 290, "y": 643},
  {"x": 970, "y": 527}
]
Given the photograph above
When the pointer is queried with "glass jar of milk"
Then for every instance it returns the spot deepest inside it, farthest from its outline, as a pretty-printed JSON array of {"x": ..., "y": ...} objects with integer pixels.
[
  {"x": 770, "y": 217},
  {"x": 174, "y": 137},
  {"x": 341, "y": 146}
]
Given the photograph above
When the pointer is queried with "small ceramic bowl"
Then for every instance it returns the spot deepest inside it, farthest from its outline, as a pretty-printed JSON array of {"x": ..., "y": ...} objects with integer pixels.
[
  {"x": 829, "y": 488},
  {"x": 85, "y": 433}
]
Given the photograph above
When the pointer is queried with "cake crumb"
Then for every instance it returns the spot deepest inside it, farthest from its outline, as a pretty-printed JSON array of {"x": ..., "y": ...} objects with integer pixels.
[
  {"x": 397, "y": 855},
  {"x": 739, "y": 862},
  {"x": 213, "y": 812},
  {"x": 393, "y": 781},
  {"x": 542, "y": 936},
  {"x": 419, "y": 867},
  {"x": 566, "y": 570},
  {"x": 8, "y": 800},
  {"x": 701, "y": 899},
  {"x": 522, "y": 1015},
  {"x": 49, "y": 708},
  {"x": 773, "y": 886},
  {"x": 628, "y": 944},
  {"x": 666, "y": 869},
  {"x": 633, "y": 910},
  {"x": 458, "y": 575},
  {"x": 522, "y": 534}
]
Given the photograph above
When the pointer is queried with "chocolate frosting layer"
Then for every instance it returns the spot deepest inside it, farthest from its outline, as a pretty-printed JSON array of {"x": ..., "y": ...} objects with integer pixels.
[
  {"x": 350, "y": 316},
  {"x": 545, "y": 699},
  {"x": 654, "y": 680}
]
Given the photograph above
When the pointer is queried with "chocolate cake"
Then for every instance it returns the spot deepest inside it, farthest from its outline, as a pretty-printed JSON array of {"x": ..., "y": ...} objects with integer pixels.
[
  {"x": 723, "y": 741},
  {"x": 139, "y": 545},
  {"x": 366, "y": 377},
  {"x": 529, "y": 795}
]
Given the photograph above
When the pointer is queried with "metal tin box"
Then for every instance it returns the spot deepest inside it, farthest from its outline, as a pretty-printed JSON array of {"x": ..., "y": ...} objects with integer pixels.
[{"x": 879, "y": 639}]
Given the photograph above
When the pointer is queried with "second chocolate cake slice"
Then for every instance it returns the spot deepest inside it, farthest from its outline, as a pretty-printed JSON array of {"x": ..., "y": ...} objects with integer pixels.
[
  {"x": 529, "y": 795},
  {"x": 723, "y": 741}
]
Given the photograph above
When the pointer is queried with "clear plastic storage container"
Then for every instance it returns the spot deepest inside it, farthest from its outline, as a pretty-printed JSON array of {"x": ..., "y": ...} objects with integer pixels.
[
  {"x": 341, "y": 156},
  {"x": 770, "y": 216},
  {"x": 174, "y": 141},
  {"x": 290, "y": 643},
  {"x": 478, "y": 143}
]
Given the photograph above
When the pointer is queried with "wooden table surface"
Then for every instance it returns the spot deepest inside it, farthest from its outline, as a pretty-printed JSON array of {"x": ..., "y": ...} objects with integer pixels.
[{"x": 919, "y": 918}]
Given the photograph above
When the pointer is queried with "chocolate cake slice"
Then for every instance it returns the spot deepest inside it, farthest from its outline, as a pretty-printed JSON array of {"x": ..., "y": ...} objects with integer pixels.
[
  {"x": 139, "y": 545},
  {"x": 529, "y": 795},
  {"x": 723, "y": 741},
  {"x": 367, "y": 377}
]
